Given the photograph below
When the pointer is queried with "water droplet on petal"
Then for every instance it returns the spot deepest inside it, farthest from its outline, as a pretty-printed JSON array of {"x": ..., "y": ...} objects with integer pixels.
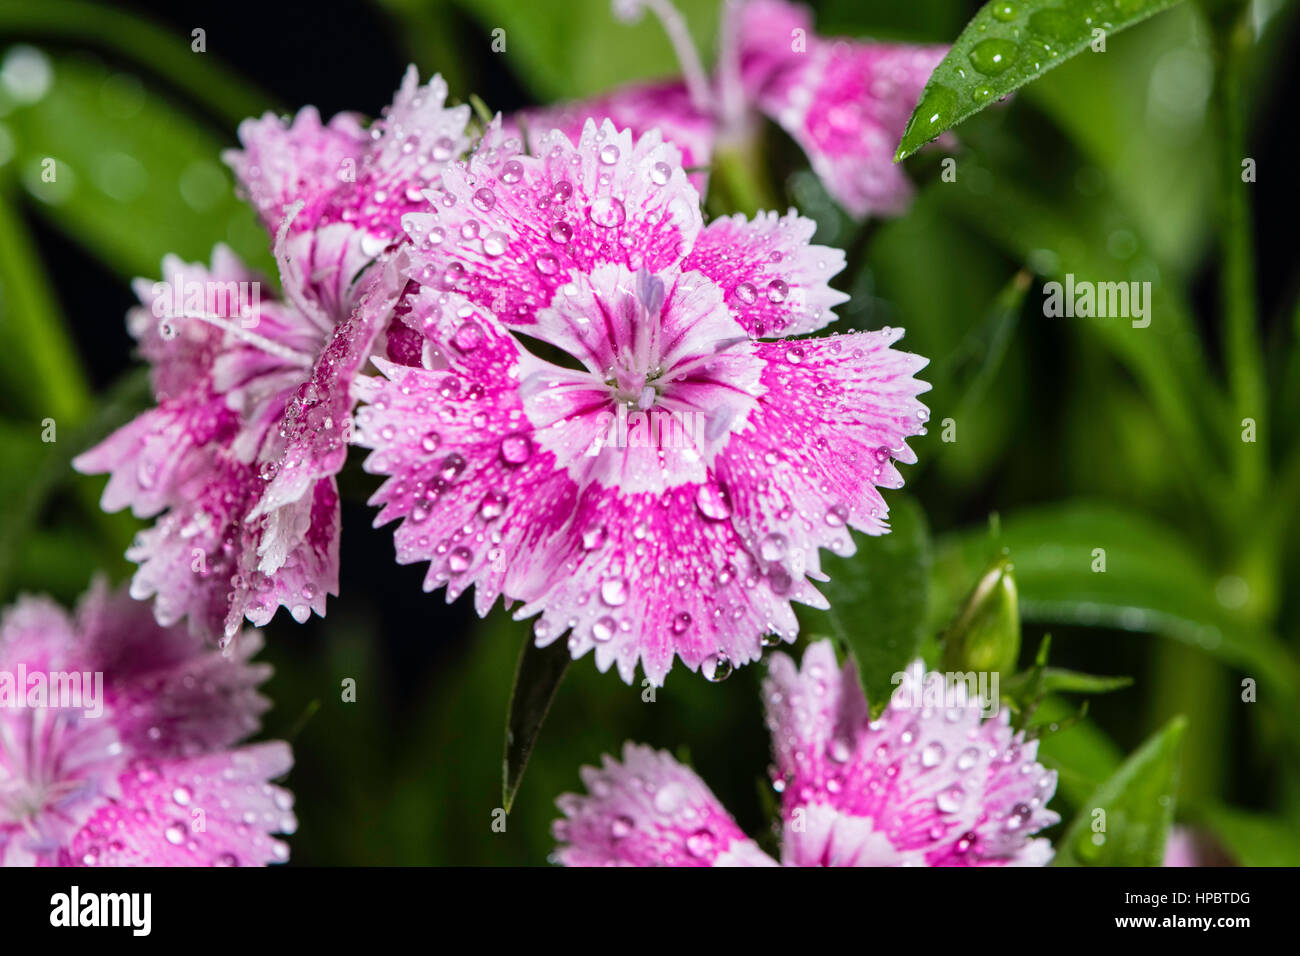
[
  {"x": 613, "y": 591},
  {"x": 713, "y": 502},
  {"x": 607, "y": 212},
  {"x": 603, "y": 630},
  {"x": 516, "y": 449}
]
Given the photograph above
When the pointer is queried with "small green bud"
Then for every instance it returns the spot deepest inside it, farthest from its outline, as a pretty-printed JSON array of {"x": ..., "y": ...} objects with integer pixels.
[{"x": 985, "y": 636}]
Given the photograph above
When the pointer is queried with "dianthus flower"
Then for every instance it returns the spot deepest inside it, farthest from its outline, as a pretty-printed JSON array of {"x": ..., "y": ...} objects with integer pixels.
[
  {"x": 254, "y": 403},
  {"x": 118, "y": 743},
  {"x": 920, "y": 786},
  {"x": 611, "y": 419}
]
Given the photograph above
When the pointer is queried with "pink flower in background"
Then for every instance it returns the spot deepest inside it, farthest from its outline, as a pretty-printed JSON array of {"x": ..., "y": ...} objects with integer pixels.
[
  {"x": 118, "y": 743},
  {"x": 846, "y": 103},
  {"x": 920, "y": 786},
  {"x": 254, "y": 399},
  {"x": 596, "y": 427},
  {"x": 1188, "y": 846}
]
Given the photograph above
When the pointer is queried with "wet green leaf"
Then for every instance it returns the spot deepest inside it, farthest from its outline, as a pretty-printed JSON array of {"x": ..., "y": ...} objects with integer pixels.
[
  {"x": 1007, "y": 44},
  {"x": 1127, "y": 818},
  {"x": 127, "y": 175},
  {"x": 879, "y": 599}
]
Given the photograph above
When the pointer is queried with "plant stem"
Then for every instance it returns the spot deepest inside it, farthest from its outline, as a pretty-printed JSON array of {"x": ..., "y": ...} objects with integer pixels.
[{"x": 1243, "y": 351}]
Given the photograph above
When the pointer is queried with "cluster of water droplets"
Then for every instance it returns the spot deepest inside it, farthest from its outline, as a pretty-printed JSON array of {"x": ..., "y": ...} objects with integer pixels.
[{"x": 1019, "y": 36}]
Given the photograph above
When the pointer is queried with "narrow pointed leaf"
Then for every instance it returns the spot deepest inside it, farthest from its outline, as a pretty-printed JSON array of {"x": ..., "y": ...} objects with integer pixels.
[
  {"x": 1126, "y": 820},
  {"x": 538, "y": 677},
  {"x": 1007, "y": 44}
]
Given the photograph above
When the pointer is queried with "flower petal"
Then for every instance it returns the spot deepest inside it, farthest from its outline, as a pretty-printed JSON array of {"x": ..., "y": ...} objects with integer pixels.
[
  {"x": 479, "y": 500},
  {"x": 213, "y": 810},
  {"x": 832, "y": 414},
  {"x": 509, "y": 237},
  {"x": 663, "y": 106},
  {"x": 303, "y": 161},
  {"x": 649, "y": 810},
  {"x": 774, "y": 280}
]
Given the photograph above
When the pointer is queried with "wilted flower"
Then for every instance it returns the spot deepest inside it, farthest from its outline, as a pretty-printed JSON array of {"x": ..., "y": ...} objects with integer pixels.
[
  {"x": 917, "y": 787},
  {"x": 662, "y": 486},
  {"x": 846, "y": 103},
  {"x": 118, "y": 743}
]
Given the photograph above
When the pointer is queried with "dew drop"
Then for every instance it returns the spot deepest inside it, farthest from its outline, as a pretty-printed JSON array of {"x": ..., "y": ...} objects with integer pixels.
[
  {"x": 607, "y": 212},
  {"x": 516, "y": 449},
  {"x": 950, "y": 800},
  {"x": 493, "y": 505},
  {"x": 714, "y": 502},
  {"x": 512, "y": 172},
  {"x": 932, "y": 754},
  {"x": 468, "y": 337},
  {"x": 613, "y": 591}
]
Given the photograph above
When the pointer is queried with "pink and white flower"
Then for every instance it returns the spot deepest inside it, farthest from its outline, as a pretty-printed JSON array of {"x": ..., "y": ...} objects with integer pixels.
[
  {"x": 538, "y": 472},
  {"x": 846, "y": 103},
  {"x": 128, "y": 755},
  {"x": 254, "y": 405},
  {"x": 916, "y": 787}
]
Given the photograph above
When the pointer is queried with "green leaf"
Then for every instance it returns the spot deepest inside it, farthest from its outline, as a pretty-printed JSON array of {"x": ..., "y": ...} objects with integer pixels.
[
  {"x": 879, "y": 599},
  {"x": 133, "y": 177},
  {"x": 971, "y": 367},
  {"x": 1082, "y": 754},
  {"x": 1252, "y": 838},
  {"x": 1075, "y": 682},
  {"x": 1162, "y": 178},
  {"x": 1021, "y": 207},
  {"x": 1138, "y": 804},
  {"x": 1007, "y": 44},
  {"x": 538, "y": 677},
  {"x": 39, "y": 368},
  {"x": 47, "y": 468}
]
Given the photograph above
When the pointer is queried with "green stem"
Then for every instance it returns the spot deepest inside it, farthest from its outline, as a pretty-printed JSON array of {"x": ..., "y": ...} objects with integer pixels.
[
  {"x": 738, "y": 181},
  {"x": 1242, "y": 346}
]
